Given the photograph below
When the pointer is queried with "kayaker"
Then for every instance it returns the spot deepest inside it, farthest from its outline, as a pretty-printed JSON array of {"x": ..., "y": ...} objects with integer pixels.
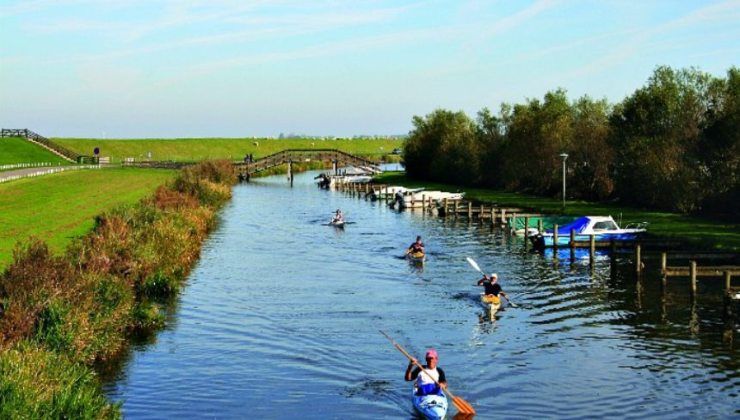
[
  {"x": 338, "y": 217},
  {"x": 424, "y": 383},
  {"x": 491, "y": 286},
  {"x": 416, "y": 247}
]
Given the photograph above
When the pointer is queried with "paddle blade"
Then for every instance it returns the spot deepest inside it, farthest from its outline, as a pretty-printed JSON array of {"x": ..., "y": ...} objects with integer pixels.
[
  {"x": 463, "y": 406},
  {"x": 473, "y": 264}
]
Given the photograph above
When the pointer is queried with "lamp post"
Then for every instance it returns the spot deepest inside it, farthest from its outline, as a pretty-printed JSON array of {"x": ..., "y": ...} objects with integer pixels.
[{"x": 565, "y": 157}]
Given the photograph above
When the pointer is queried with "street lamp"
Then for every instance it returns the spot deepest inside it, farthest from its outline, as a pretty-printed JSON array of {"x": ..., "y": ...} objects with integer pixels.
[{"x": 565, "y": 157}]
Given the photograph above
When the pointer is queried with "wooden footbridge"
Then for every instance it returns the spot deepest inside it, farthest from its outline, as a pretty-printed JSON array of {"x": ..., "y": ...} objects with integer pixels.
[{"x": 290, "y": 156}]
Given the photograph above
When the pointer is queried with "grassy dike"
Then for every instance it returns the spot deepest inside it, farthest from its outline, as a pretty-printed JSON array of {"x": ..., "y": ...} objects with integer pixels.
[
  {"x": 63, "y": 206},
  {"x": 60, "y": 313},
  {"x": 18, "y": 150},
  {"x": 697, "y": 231},
  {"x": 191, "y": 150}
]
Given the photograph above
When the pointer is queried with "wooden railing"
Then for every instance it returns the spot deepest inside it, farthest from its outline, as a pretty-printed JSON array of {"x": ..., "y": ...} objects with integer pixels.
[{"x": 302, "y": 155}]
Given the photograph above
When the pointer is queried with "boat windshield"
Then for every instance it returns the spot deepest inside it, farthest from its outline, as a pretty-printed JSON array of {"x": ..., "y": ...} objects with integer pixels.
[{"x": 605, "y": 225}]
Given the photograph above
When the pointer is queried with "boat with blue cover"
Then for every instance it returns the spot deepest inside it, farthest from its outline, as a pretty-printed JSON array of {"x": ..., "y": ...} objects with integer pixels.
[{"x": 604, "y": 228}]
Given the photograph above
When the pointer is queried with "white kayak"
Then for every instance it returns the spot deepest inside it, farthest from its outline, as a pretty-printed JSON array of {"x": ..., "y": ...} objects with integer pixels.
[
  {"x": 432, "y": 407},
  {"x": 337, "y": 223}
]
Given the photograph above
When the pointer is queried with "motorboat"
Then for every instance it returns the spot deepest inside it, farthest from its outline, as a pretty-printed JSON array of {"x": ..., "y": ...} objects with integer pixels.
[
  {"x": 604, "y": 228},
  {"x": 421, "y": 199},
  {"x": 379, "y": 193}
]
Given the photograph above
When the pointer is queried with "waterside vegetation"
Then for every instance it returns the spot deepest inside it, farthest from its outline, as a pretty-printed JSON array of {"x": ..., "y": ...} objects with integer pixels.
[
  {"x": 673, "y": 145},
  {"x": 60, "y": 313}
]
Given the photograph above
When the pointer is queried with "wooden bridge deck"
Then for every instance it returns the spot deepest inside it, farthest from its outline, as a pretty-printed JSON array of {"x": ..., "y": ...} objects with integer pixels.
[{"x": 290, "y": 156}]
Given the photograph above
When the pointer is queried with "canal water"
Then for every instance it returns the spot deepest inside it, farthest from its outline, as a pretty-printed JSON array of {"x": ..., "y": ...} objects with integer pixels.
[{"x": 280, "y": 319}]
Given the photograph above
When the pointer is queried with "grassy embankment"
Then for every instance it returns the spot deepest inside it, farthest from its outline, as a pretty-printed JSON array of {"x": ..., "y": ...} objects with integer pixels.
[
  {"x": 698, "y": 231},
  {"x": 189, "y": 150},
  {"x": 61, "y": 313},
  {"x": 18, "y": 150},
  {"x": 60, "y": 207}
]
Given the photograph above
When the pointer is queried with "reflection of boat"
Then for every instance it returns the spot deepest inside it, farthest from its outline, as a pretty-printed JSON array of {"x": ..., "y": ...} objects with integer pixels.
[
  {"x": 490, "y": 302},
  {"x": 416, "y": 257},
  {"x": 416, "y": 199},
  {"x": 433, "y": 406},
  {"x": 604, "y": 228}
]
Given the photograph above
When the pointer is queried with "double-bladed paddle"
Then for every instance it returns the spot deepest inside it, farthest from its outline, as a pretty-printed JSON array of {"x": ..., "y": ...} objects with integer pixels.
[
  {"x": 477, "y": 268},
  {"x": 462, "y": 406}
]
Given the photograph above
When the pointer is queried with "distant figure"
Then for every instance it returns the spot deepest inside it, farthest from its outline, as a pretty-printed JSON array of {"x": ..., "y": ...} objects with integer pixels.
[
  {"x": 338, "y": 217},
  {"x": 416, "y": 247},
  {"x": 491, "y": 286}
]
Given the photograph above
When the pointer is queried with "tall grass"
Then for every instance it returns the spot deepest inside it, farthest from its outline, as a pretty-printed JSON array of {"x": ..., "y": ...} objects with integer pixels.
[{"x": 81, "y": 306}]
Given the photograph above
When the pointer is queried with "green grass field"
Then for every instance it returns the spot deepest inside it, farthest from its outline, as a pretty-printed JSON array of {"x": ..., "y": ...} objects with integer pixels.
[
  {"x": 57, "y": 208},
  {"x": 221, "y": 148},
  {"x": 18, "y": 150},
  {"x": 699, "y": 231}
]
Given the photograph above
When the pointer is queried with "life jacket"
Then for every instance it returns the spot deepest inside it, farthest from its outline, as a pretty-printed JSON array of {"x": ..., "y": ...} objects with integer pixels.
[{"x": 425, "y": 385}]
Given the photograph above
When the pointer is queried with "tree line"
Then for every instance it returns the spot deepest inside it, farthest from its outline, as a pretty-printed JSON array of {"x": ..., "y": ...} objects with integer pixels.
[{"x": 671, "y": 145}]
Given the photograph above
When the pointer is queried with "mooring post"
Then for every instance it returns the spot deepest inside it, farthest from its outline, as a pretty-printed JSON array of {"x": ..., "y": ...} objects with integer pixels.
[
  {"x": 503, "y": 217},
  {"x": 457, "y": 207},
  {"x": 540, "y": 225},
  {"x": 555, "y": 237},
  {"x": 592, "y": 250},
  {"x": 692, "y": 274},
  {"x": 423, "y": 201},
  {"x": 638, "y": 258},
  {"x": 470, "y": 209},
  {"x": 493, "y": 215},
  {"x": 446, "y": 203},
  {"x": 526, "y": 224},
  {"x": 728, "y": 282},
  {"x": 663, "y": 262},
  {"x": 290, "y": 172},
  {"x": 572, "y": 238}
]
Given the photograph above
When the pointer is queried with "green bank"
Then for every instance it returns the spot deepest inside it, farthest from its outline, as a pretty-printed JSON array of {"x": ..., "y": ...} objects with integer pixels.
[
  {"x": 700, "y": 232},
  {"x": 60, "y": 207},
  {"x": 196, "y": 149},
  {"x": 17, "y": 150}
]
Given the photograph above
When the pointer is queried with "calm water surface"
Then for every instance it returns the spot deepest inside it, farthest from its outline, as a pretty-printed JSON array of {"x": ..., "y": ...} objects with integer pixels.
[{"x": 280, "y": 319}]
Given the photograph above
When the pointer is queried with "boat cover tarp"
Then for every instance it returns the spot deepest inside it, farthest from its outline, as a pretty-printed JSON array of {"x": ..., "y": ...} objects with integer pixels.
[{"x": 578, "y": 224}]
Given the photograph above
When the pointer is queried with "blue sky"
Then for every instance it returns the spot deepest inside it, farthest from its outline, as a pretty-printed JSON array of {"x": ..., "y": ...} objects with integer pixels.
[{"x": 155, "y": 68}]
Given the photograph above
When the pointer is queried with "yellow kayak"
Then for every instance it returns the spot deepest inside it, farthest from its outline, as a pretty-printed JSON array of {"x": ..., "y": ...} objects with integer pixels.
[
  {"x": 416, "y": 256},
  {"x": 491, "y": 301}
]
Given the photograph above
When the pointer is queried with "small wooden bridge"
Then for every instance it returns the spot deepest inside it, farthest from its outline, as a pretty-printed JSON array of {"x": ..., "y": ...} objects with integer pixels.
[{"x": 287, "y": 157}]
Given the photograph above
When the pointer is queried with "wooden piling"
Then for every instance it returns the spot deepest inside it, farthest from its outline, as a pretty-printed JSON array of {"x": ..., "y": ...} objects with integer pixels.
[
  {"x": 446, "y": 201},
  {"x": 423, "y": 201},
  {"x": 470, "y": 210},
  {"x": 526, "y": 224},
  {"x": 638, "y": 258},
  {"x": 457, "y": 207},
  {"x": 663, "y": 261},
  {"x": 728, "y": 281},
  {"x": 540, "y": 225},
  {"x": 592, "y": 249},
  {"x": 555, "y": 237},
  {"x": 572, "y": 238},
  {"x": 692, "y": 275}
]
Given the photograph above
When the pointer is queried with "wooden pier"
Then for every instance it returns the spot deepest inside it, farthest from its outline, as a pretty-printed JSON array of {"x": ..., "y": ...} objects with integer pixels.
[{"x": 505, "y": 217}]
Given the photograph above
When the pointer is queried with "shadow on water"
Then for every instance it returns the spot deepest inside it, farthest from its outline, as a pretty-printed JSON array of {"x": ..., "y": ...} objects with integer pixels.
[{"x": 280, "y": 320}]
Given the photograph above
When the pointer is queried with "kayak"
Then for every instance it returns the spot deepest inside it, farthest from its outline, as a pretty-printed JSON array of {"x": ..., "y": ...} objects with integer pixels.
[
  {"x": 337, "y": 223},
  {"x": 417, "y": 257},
  {"x": 491, "y": 302},
  {"x": 432, "y": 406}
]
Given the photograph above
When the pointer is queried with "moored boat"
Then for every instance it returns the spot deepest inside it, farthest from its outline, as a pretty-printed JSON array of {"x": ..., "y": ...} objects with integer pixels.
[
  {"x": 425, "y": 198},
  {"x": 433, "y": 406},
  {"x": 604, "y": 228}
]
